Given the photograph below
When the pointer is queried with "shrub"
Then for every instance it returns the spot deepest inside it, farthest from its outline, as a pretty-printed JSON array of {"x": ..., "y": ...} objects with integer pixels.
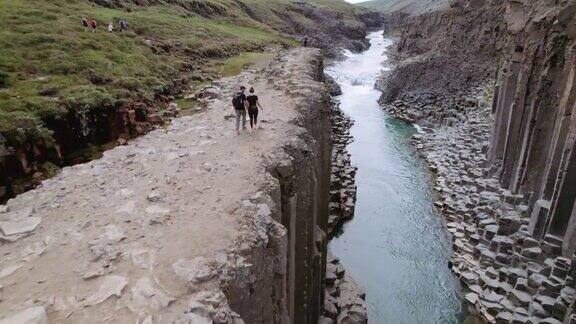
[
  {"x": 20, "y": 127},
  {"x": 87, "y": 97}
]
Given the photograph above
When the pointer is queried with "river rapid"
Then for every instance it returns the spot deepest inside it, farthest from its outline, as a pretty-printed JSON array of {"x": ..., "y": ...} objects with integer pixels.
[{"x": 396, "y": 247}]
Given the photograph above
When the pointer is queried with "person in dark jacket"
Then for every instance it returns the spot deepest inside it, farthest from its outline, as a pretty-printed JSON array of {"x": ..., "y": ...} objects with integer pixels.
[
  {"x": 253, "y": 106},
  {"x": 123, "y": 25},
  {"x": 240, "y": 104}
]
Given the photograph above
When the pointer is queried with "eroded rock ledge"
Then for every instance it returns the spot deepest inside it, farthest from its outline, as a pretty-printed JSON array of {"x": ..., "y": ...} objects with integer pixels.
[{"x": 189, "y": 224}]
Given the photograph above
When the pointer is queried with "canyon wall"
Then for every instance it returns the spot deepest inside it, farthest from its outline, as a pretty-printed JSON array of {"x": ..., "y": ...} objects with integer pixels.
[
  {"x": 188, "y": 224},
  {"x": 441, "y": 55},
  {"x": 494, "y": 80},
  {"x": 533, "y": 138}
]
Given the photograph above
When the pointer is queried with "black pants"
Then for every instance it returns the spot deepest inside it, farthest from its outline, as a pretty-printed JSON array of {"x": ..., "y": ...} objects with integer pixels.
[{"x": 253, "y": 114}]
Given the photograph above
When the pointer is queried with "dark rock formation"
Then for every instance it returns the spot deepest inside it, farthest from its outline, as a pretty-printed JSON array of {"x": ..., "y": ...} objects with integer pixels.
[
  {"x": 442, "y": 54},
  {"x": 342, "y": 178},
  {"x": 503, "y": 155},
  {"x": 532, "y": 149}
]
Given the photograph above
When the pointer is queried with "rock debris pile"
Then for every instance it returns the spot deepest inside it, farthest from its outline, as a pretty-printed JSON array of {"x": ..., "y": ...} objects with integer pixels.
[
  {"x": 342, "y": 182},
  {"x": 344, "y": 301},
  {"x": 429, "y": 109}
]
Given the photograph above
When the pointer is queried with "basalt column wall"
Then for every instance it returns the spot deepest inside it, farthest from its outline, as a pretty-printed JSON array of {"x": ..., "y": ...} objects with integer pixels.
[
  {"x": 532, "y": 149},
  {"x": 304, "y": 179}
]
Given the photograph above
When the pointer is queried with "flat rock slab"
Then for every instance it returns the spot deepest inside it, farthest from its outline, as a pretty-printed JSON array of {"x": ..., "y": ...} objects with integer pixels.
[
  {"x": 110, "y": 286},
  {"x": 32, "y": 315},
  {"x": 20, "y": 226}
]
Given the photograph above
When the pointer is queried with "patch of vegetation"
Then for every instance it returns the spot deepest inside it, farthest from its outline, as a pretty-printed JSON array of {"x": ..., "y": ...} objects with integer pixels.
[{"x": 236, "y": 64}]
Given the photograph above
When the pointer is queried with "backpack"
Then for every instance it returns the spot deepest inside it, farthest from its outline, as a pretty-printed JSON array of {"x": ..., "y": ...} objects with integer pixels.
[{"x": 238, "y": 101}]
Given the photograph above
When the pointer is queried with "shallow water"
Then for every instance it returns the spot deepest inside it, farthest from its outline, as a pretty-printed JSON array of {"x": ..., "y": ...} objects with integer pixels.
[{"x": 396, "y": 246}]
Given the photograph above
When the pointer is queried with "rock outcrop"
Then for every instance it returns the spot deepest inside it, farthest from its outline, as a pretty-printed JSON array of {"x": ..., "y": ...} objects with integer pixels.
[
  {"x": 342, "y": 178},
  {"x": 188, "y": 224},
  {"x": 502, "y": 154},
  {"x": 440, "y": 56},
  {"x": 344, "y": 301}
]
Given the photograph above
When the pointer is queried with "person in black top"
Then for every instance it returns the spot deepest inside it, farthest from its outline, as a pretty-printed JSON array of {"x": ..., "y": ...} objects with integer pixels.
[
  {"x": 253, "y": 106},
  {"x": 239, "y": 102}
]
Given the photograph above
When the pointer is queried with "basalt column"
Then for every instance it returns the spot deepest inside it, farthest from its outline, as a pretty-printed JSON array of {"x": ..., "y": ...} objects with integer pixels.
[{"x": 533, "y": 136}]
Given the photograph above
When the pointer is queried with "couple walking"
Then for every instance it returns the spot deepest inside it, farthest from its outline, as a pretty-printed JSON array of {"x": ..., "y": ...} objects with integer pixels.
[{"x": 246, "y": 103}]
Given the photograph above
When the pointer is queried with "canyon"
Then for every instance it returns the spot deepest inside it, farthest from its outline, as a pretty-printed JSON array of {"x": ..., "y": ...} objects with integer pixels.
[{"x": 387, "y": 168}]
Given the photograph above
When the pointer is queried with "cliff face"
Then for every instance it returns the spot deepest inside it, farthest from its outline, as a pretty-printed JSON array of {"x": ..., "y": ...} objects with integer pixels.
[
  {"x": 532, "y": 147},
  {"x": 503, "y": 150},
  {"x": 442, "y": 55}
]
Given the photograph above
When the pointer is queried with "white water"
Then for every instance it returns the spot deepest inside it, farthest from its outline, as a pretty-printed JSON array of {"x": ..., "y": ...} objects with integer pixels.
[{"x": 396, "y": 246}]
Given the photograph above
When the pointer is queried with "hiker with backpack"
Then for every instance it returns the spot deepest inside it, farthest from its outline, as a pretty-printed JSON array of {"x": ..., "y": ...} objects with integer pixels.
[
  {"x": 240, "y": 104},
  {"x": 253, "y": 105}
]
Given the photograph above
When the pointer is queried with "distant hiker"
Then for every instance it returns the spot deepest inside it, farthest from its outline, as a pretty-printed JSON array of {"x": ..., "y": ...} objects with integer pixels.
[
  {"x": 123, "y": 25},
  {"x": 85, "y": 23},
  {"x": 110, "y": 28},
  {"x": 305, "y": 41},
  {"x": 239, "y": 103},
  {"x": 253, "y": 105},
  {"x": 92, "y": 24}
]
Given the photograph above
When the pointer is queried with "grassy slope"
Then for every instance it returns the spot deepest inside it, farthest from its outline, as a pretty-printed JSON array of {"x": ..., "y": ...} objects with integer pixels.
[
  {"x": 43, "y": 47},
  {"x": 410, "y": 6}
]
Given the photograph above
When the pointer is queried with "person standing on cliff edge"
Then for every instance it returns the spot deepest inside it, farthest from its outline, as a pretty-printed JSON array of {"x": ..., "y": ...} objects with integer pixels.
[{"x": 240, "y": 105}]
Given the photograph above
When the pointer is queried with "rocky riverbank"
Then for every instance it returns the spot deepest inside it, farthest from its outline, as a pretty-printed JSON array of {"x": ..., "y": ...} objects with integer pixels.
[
  {"x": 342, "y": 183},
  {"x": 509, "y": 276},
  {"x": 344, "y": 300}
]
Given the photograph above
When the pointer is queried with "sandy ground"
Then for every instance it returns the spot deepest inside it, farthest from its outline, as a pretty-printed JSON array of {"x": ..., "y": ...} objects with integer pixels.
[{"x": 118, "y": 238}]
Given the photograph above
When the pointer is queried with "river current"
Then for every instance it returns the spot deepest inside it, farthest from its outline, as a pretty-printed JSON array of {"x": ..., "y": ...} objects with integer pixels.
[{"x": 396, "y": 247}]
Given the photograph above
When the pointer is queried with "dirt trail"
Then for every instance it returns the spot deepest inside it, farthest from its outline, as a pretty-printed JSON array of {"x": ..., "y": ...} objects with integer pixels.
[{"x": 151, "y": 219}]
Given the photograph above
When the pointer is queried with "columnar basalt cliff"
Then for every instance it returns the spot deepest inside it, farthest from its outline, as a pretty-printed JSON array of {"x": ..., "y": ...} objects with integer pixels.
[
  {"x": 502, "y": 150},
  {"x": 188, "y": 224},
  {"x": 532, "y": 147}
]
